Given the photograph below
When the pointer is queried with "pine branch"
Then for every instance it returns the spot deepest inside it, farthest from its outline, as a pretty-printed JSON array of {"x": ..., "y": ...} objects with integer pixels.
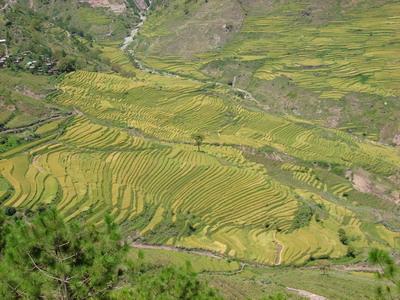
[{"x": 45, "y": 272}]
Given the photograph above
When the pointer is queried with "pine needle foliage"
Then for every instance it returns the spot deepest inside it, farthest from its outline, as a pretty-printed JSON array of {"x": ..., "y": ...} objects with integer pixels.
[{"x": 44, "y": 257}]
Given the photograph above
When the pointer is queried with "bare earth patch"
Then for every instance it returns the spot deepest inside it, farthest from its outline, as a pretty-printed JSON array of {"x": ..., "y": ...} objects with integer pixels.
[
  {"x": 306, "y": 294},
  {"x": 334, "y": 118},
  {"x": 29, "y": 93},
  {"x": 363, "y": 182},
  {"x": 208, "y": 27},
  {"x": 141, "y": 4},
  {"x": 117, "y": 6},
  {"x": 396, "y": 140}
]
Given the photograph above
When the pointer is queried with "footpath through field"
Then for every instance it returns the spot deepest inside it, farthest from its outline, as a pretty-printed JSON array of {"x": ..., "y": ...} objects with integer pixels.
[{"x": 206, "y": 253}]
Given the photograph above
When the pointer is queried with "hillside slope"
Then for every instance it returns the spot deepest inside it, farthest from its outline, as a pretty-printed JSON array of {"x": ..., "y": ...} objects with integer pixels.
[
  {"x": 41, "y": 40},
  {"x": 333, "y": 62},
  {"x": 271, "y": 186},
  {"x": 262, "y": 188}
]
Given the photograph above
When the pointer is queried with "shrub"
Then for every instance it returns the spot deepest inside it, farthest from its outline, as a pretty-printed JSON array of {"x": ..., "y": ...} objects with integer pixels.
[
  {"x": 343, "y": 236},
  {"x": 10, "y": 211},
  {"x": 302, "y": 217}
]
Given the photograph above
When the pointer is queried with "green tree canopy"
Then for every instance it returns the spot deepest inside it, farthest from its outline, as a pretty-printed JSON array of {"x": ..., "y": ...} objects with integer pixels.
[
  {"x": 43, "y": 257},
  {"x": 198, "y": 140}
]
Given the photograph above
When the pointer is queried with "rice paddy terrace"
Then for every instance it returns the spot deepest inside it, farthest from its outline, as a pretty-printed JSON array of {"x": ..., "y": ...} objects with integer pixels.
[
  {"x": 353, "y": 52},
  {"x": 327, "y": 62},
  {"x": 128, "y": 151},
  {"x": 266, "y": 188}
]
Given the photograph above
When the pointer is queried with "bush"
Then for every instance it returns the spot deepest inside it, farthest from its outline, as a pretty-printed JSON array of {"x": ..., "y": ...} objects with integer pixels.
[
  {"x": 67, "y": 65},
  {"x": 343, "y": 236},
  {"x": 351, "y": 252},
  {"x": 302, "y": 217},
  {"x": 10, "y": 211}
]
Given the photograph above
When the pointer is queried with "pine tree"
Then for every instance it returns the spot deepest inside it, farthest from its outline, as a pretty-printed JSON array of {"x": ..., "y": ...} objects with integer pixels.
[
  {"x": 390, "y": 274},
  {"x": 43, "y": 257},
  {"x": 47, "y": 258}
]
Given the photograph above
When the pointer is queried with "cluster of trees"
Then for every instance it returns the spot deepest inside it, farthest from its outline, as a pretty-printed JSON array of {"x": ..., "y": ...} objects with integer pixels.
[
  {"x": 345, "y": 240},
  {"x": 43, "y": 257},
  {"x": 40, "y": 42},
  {"x": 8, "y": 142}
]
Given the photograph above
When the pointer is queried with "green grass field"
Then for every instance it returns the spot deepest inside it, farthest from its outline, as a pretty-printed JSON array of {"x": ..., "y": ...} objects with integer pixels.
[
  {"x": 200, "y": 264},
  {"x": 257, "y": 282},
  {"x": 22, "y": 98}
]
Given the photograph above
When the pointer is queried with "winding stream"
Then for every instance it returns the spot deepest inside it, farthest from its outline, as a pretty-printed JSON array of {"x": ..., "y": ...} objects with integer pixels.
[{"x": 129, "y": 39}]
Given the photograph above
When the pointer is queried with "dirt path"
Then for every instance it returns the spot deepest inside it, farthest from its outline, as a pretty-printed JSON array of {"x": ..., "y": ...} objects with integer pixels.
[
  {"x": 227, "y": 273},
  {"x": 34, "y": 124},
  {"x": 279, "y": 251},
  {"x": 306, "y": 294},
  {"x": 359, "y": 267},
  {"x": 199, "y": 252},
  {"x": 211, "y": 254}
]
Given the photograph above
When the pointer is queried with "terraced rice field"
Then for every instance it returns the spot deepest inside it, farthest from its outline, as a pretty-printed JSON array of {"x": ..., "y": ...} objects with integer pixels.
[
  {"x": 305, "y": 175},
  {"x": 92, "y": 169},
  {"x": 355, "y": 53},
  {"x": 173, "y": 109},
  {"x": 352, "y": 55},
  {"x": 128, "y": 152}
]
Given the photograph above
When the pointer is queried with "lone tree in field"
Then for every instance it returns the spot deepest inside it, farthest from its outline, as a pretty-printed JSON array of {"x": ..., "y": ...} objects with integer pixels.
[{"x": 198, "y": 140}]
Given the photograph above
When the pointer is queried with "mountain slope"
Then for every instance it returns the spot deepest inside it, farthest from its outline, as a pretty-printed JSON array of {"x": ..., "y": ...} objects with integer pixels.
[
  {"x": 263, "y": 188},
  {"x": 269, "y": 185},
  {"x": 327, "y": 61}
]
